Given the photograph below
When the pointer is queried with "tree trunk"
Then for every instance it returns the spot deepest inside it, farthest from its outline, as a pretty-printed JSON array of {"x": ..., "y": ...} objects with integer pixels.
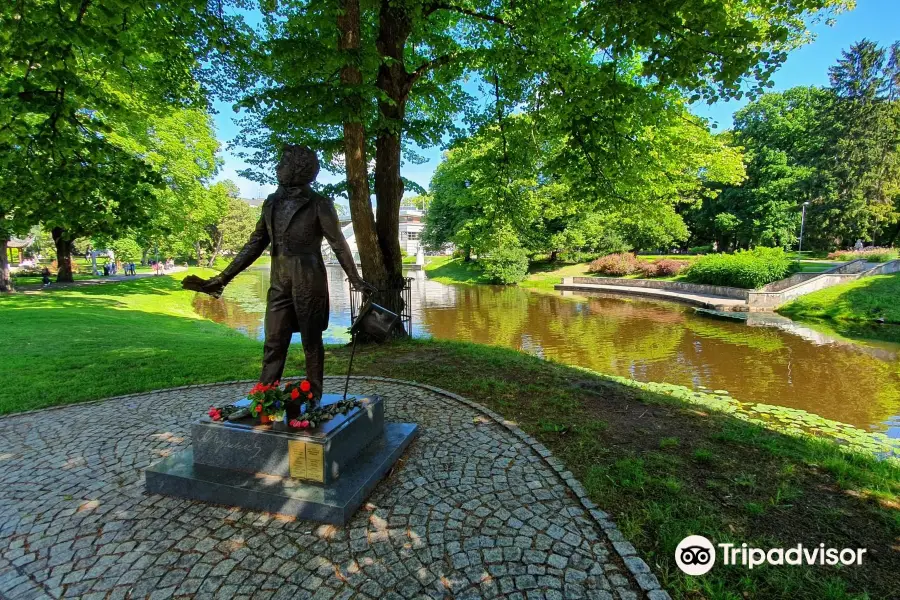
[
  {"x": 218, "y": 239},
  {"x": 554, "y": 255},
  {"x": 199, "y": 251},
  {"x": 6, "y": 284},
  {"x": 63, "y": 255},
  {"x": 893, "y": 238},
  {"x": 144, "y": 254},
  {"x": 394, "y": 81},
  {"x": 373, "y": 262}
]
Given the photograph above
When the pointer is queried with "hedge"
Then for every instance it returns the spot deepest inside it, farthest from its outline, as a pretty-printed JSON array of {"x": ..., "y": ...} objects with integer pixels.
[{"x": 744, "y": 269}]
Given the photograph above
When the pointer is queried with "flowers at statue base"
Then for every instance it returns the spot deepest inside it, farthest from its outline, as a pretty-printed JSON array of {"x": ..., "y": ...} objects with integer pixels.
[
  {"x": 272, "y": 403},
  {"x": 269, "y": 402},
  {"x": 315, "y": 416}
]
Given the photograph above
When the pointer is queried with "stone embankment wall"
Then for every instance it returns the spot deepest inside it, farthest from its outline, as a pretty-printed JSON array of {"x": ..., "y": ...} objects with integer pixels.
[
  {"x": 675, "y": 286},
  {"x": 780, "y": 292}
]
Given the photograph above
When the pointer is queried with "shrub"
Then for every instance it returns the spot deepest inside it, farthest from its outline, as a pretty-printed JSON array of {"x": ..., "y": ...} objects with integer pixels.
[
  {"x": 615, "y": 264},
  {"x": 700, "y": 250},
  {"x": 744, "y": 269},
  {"x": 505, "y": 265},
  {"x": 649, "y": 269},
  {"x": 871, "y": 254},
  {"x": 667, "y": 267}
]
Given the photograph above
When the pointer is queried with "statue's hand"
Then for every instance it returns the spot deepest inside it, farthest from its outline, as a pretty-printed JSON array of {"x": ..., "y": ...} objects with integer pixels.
[
  {"x": 360, "y": 284},
  {"x": 213, "y": 286}
]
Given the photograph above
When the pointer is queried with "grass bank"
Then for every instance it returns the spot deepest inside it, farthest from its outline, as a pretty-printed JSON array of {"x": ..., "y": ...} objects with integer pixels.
[
  {"x": 80, "y": 343},
  {"x": 867, "y": 299},
  {"x": 543, "y": 275},
  {"x": 665, "y": 461},
  {"x": 667, "y": 466}
]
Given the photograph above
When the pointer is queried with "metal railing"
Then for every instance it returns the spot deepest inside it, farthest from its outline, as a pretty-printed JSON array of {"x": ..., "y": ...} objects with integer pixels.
[{"x": 356, "y": 302}]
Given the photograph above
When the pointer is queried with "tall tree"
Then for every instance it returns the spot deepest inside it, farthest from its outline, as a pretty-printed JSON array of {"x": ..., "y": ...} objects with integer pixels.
[
  {"x": 866, "y": 139},
  {"x": 508, "y": 187},
  {"x": 72, "y": 74},
  {"x": 234, "y": 225},
  {"x": 786, "y": 137},
  {"x": 414, "y": 56},
  {"x": 836, "y": 148}
]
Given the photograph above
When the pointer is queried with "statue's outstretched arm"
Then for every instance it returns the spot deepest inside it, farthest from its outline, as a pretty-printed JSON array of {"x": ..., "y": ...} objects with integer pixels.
[
  {"x": 331, "y": 229},
  {"x": 252, "y": 250}
]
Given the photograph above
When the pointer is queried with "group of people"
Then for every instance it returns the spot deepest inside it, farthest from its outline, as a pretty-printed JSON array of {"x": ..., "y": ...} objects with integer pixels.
[
  {"x": 161, "y": 267},
  {"x": 112, "y": 268}
]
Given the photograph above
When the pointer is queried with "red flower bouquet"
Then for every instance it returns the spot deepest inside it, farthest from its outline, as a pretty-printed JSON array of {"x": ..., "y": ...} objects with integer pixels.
[{"x": 284, "y": 406}]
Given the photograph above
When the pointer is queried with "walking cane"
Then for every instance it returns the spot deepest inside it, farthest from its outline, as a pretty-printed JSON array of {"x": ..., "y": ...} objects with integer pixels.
[
  {"x": 354, "y": 337},
  {"x": 350, "y": 367}
]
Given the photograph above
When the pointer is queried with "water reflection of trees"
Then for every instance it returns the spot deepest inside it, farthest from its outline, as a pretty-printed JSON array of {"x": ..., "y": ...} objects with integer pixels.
[
  {"x": 657, "y": 342},
  {"x": 645, "y": 340}
]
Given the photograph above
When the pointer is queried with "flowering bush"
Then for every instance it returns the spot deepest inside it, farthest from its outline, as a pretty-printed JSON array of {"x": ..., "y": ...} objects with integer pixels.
[
  {"x": 667, "y": 267},
  {"x": 623, "y": 263},
  {"x": 648, "y": 269},
  {"x": 626, "y": 264},
  {"x": 871, "y": 254}
]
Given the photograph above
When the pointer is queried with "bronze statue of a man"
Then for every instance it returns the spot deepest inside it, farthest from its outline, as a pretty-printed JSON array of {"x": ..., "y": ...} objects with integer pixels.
[{"x": 294, "y": 220}]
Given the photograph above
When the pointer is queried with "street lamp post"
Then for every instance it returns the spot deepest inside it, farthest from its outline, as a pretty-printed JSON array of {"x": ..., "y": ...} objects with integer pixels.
[{"x": 802, "y": 223}]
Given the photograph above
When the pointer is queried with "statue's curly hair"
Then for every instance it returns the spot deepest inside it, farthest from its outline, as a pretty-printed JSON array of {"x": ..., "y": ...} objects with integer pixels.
[{"x": 302, "y": 165}]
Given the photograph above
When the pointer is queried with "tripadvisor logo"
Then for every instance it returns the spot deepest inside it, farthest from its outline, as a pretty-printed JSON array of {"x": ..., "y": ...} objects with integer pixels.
[{"x": 696, "y": 555}]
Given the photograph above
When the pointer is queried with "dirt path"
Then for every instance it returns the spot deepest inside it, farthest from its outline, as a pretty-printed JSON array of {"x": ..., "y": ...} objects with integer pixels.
[{"x": 37, "y": 287}]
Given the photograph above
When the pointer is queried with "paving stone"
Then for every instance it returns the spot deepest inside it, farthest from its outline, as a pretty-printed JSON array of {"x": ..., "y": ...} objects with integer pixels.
[{"x": 475, "y": 511}]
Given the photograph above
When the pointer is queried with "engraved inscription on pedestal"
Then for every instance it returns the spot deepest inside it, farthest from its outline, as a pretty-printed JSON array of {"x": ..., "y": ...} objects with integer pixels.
[{"x": 306, "y": 461}]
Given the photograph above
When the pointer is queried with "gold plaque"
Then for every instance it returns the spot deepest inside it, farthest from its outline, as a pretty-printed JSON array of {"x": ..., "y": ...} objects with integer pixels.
[
  {"x": 315, "y": 462},
  {"x": 297, "y": 458}
]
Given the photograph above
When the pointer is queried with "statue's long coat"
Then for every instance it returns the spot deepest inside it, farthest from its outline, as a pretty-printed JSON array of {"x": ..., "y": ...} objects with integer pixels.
[{"x": 298, "y": 292}]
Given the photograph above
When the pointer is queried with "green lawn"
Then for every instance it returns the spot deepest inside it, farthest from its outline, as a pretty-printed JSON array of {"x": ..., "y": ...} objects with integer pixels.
[
  {"x": 817, "y": 266},
  {"x": 663, "y": 460},
  {"x": 74, "y": 344},
  {"x": 446, "y": 269},
  {"x": 666, "y": 468},
  {"x": 866, "y": 299},
  {"x": 541, "y": 275}
]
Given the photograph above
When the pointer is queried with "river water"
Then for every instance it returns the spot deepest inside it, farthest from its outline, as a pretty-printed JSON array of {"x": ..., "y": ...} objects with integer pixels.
[{"x": 761, "y": 359}]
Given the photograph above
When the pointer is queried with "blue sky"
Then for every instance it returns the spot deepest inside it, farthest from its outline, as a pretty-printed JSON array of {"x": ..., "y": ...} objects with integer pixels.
[{"x": 878, "y": 20}]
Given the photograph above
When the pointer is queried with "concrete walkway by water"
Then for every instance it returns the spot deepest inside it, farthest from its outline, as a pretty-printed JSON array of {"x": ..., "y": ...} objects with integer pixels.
[
  {"x": 710, "y": 301},
  {"x": 475, "y": 509},
  {"x": 33, "y": 287}
]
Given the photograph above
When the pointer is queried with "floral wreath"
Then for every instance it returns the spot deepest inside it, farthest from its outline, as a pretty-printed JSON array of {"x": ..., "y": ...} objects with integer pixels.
[{"x": 271, "y": 403}]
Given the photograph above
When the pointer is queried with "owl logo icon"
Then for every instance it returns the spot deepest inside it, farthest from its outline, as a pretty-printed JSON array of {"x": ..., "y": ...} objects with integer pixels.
[{"x": 695, "y": 555}]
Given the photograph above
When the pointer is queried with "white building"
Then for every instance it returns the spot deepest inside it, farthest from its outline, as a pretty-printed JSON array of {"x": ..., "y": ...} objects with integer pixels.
[{"x": 412, "y": 223}]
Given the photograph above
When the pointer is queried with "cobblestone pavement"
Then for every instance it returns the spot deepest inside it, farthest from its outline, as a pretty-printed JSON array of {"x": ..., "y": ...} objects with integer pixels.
[{"x": 475, "y": 509}]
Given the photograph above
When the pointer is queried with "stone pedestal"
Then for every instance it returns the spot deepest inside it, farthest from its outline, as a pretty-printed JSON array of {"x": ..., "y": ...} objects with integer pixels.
[{"x": 322, "y": 474}]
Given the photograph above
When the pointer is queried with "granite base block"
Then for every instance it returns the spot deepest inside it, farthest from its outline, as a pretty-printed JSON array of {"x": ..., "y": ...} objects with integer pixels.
[
  {"x": 242, "y": 446},
  {"x": 335, "y": 503}
]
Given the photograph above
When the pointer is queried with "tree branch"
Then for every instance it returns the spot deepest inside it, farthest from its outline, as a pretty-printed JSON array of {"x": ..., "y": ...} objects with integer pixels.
[
  {"x": 434, "y": 64},
  {"x": 468, "y": 12}
]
